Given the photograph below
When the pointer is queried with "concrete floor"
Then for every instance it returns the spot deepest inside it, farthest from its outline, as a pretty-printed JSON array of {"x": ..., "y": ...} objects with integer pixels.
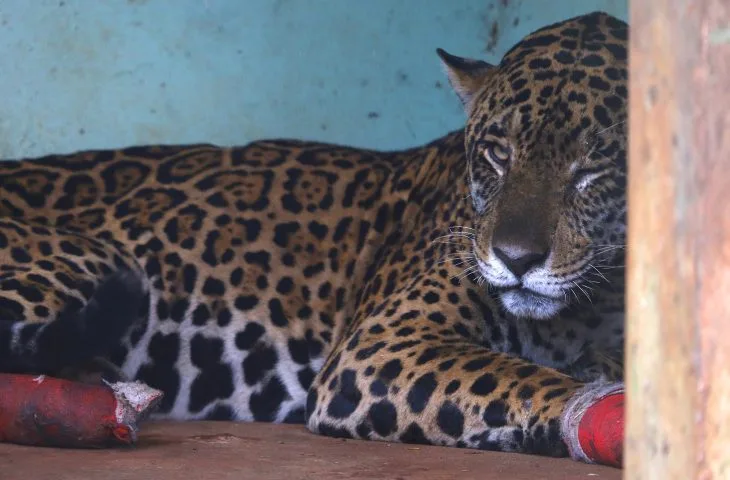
[{"x": 244, "y": 451}]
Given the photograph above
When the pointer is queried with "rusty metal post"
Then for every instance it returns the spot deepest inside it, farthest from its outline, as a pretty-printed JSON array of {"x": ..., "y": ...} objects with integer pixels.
[{"x": 678, "y": 268}]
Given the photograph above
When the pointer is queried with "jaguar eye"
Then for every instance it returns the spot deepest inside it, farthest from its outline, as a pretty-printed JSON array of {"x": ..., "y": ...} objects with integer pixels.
[{"x": 498, "y": 155}]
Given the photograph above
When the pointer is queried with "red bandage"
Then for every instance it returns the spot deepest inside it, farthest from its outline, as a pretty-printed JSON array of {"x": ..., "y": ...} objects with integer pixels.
[
  {"x": 601, "y": 430},
  {"x": 52, "y": 412},
  {"x": 593, "y": 425}
]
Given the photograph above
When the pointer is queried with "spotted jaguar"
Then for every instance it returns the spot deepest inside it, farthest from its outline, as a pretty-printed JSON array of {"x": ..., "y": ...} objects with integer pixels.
[{"x": 462, "y": 293}]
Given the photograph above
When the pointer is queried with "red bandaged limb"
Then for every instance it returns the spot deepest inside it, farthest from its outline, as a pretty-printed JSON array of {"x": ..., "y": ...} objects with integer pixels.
[
  {"x": 593, "y": 424},
  {"x": 51, "y": 412}
]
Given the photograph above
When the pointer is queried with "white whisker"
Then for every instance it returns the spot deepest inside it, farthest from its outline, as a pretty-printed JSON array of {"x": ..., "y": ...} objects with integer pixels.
[
  {"x": 610, "y": 127},
  {"x": 599, "y": 272},
  {"x": 583, "y": 290}
]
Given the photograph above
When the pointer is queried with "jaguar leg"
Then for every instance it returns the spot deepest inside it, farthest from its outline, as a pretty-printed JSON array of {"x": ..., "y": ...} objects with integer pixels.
[
  {"x": 444, "y": 391},
  {"x": 66, "y": 300}
]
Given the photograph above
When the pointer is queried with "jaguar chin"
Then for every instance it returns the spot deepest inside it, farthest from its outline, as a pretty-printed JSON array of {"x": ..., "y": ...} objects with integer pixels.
[{"x": 525, "y": 303}]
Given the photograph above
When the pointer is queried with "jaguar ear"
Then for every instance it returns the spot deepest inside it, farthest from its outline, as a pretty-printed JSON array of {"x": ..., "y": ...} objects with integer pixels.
[{"x": 466, "y": 75}]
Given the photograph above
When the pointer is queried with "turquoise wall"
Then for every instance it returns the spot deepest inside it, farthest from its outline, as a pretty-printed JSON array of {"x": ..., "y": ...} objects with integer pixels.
[{"x": 79, "y": 74}]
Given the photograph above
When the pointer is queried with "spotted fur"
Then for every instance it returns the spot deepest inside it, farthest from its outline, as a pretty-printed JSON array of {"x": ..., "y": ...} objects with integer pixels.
[{"x": 458, "y": 293}]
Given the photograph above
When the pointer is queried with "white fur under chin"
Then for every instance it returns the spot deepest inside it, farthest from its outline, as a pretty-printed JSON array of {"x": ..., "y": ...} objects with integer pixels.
[{"x": 528, "y": 305}]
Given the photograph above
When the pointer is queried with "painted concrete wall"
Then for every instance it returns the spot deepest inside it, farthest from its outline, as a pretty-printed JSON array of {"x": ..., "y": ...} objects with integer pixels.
[{"x": 78, "y": 74}]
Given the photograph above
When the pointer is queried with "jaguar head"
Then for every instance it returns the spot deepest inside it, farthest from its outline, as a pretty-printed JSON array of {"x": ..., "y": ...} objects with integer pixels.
[{"x": 546, "y": 149}]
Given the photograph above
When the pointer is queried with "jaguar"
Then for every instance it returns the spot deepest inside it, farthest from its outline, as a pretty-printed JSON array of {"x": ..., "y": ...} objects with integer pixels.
[{"x": 467, "y": 292}]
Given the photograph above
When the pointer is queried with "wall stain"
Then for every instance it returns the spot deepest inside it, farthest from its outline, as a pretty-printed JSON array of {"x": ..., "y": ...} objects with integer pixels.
[{"x": 493, "y": 37}]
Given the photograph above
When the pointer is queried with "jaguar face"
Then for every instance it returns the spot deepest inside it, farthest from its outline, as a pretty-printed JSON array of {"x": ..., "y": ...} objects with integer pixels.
[{"x": 546, "y": 146}]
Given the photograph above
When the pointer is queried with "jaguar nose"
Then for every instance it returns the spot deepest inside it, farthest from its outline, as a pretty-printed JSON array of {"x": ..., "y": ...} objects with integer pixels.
[{"x": 519, "y": 259}]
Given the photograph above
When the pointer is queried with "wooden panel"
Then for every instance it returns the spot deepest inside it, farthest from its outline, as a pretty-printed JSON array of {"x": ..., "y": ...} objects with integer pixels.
[{"x": 678, "y": 338}]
